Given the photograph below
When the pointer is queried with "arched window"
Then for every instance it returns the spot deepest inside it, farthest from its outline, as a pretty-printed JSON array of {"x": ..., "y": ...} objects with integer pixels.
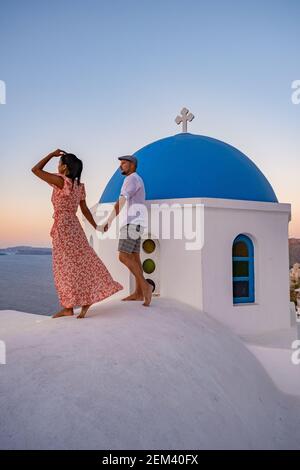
[{"x": 243, "y": 270}]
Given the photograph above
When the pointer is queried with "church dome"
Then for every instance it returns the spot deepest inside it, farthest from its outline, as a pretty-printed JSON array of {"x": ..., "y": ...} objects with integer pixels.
[{"x": 193, "y": 166}]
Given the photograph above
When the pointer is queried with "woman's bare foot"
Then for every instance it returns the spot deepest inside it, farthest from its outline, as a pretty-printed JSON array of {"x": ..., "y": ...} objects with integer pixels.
[
  {"x": 135, "y": 296},
  {"x": 147, "y": 294},
  {"x": 84, "y": 309},
  {"x": 65, "y": 312}
]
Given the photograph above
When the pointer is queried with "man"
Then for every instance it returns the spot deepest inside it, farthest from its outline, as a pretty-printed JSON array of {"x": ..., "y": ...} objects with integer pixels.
[{"x": 132, "y": 223}]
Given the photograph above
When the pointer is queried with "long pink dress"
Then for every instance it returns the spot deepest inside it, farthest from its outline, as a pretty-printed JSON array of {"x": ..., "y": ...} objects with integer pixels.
[{"x": 80, "y": 277}]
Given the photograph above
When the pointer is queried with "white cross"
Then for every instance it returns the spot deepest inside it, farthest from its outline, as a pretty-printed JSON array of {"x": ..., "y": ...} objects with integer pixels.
[{"x": 184, "y": 118}]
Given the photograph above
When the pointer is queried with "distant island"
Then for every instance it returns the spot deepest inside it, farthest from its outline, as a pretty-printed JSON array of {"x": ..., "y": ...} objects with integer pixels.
[
  {"x": 25, "y": 250},
  {"x": 294, "y": 251}
]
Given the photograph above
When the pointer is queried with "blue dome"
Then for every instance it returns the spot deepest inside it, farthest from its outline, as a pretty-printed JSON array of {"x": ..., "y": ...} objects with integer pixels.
[{"x": 193, "y": 166}]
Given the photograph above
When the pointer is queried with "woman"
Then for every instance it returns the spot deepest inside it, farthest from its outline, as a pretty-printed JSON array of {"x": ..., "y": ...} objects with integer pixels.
[{"x": 80, "y": 277}]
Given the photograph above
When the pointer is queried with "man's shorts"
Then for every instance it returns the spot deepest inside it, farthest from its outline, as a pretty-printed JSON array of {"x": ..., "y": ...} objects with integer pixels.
[{"x": 130, "y": 238}]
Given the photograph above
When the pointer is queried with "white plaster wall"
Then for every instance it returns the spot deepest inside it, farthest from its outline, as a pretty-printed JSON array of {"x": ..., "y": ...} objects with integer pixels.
[
  {"x": 181, "y": 273},
  {"x": 180, "y": 269},
  {"x": 203, "y": 278},
  {"x": 267, "y": 225}
]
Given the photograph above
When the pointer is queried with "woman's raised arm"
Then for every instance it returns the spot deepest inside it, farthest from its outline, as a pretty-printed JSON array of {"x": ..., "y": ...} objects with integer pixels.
[{"x": 45, "y": 175}]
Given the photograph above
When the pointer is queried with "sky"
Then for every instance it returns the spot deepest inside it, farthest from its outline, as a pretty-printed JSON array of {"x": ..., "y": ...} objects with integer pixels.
[{"x": 102, "y": 79}]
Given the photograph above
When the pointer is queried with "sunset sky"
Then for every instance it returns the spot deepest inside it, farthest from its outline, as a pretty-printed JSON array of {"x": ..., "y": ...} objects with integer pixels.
[{"x": 101, "y": 79}]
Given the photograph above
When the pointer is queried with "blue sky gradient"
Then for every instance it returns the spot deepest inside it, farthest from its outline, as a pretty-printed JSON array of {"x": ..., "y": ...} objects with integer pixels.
[{"x": 102, "y": 79}]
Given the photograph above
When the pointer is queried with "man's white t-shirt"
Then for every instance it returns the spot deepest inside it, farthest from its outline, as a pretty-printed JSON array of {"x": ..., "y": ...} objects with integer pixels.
[{"x": 134, "y": 211}]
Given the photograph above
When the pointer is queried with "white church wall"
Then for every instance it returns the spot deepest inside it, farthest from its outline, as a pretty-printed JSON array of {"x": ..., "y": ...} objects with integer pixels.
[
  {"x": 266, "y": 224},
  {"x": 180, "y": 268},
  {"x": 181, "y": 273},
  {"x": 203, "y": 278}
]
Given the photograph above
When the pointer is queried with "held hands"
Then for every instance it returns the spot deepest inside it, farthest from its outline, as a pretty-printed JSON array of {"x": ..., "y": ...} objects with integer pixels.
[
  {"x": 103, "y": 228},
  {"x": 100, "y": 228}
]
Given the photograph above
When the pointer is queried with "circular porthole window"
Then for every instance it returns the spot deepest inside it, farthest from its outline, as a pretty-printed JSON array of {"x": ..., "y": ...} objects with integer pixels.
[
  {"x": 148, "y": 266},
  {"x": 148, "y": 246},
  {"x": 152, "y": 283}
]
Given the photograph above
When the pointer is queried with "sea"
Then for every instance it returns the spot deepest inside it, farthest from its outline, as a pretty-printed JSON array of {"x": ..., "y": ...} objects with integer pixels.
[{"x": 27, "y": 285}]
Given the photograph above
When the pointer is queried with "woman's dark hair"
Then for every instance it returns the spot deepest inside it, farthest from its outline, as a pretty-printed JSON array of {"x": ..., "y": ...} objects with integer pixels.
[{"x": 74, "y": 166}]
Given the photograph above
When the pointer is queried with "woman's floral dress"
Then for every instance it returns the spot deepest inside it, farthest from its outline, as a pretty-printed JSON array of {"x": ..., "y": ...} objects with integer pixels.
[{"x": 80, "y": 276}]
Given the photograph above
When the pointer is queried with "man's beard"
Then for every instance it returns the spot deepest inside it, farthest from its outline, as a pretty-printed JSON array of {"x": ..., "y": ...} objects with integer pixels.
[{"x": 124, "y": 172}]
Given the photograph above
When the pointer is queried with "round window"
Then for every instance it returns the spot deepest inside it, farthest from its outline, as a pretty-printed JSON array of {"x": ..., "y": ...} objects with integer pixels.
[
  {"x": 152, "y": 283},
  {"x": 148, "y": 266},
  {"x": 148, "y": 246}
]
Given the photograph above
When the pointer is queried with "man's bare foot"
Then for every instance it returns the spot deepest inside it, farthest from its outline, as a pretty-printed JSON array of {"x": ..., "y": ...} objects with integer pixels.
[
  {"x": 65, "y": 312},
  {"x": 84, "y": 309},
  {"x": 147, "y": 295},
  {"x": 135, "y": 296}
]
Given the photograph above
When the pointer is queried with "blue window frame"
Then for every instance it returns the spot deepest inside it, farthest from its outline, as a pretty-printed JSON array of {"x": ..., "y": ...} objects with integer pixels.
[{"x": 243, "y": 270}]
